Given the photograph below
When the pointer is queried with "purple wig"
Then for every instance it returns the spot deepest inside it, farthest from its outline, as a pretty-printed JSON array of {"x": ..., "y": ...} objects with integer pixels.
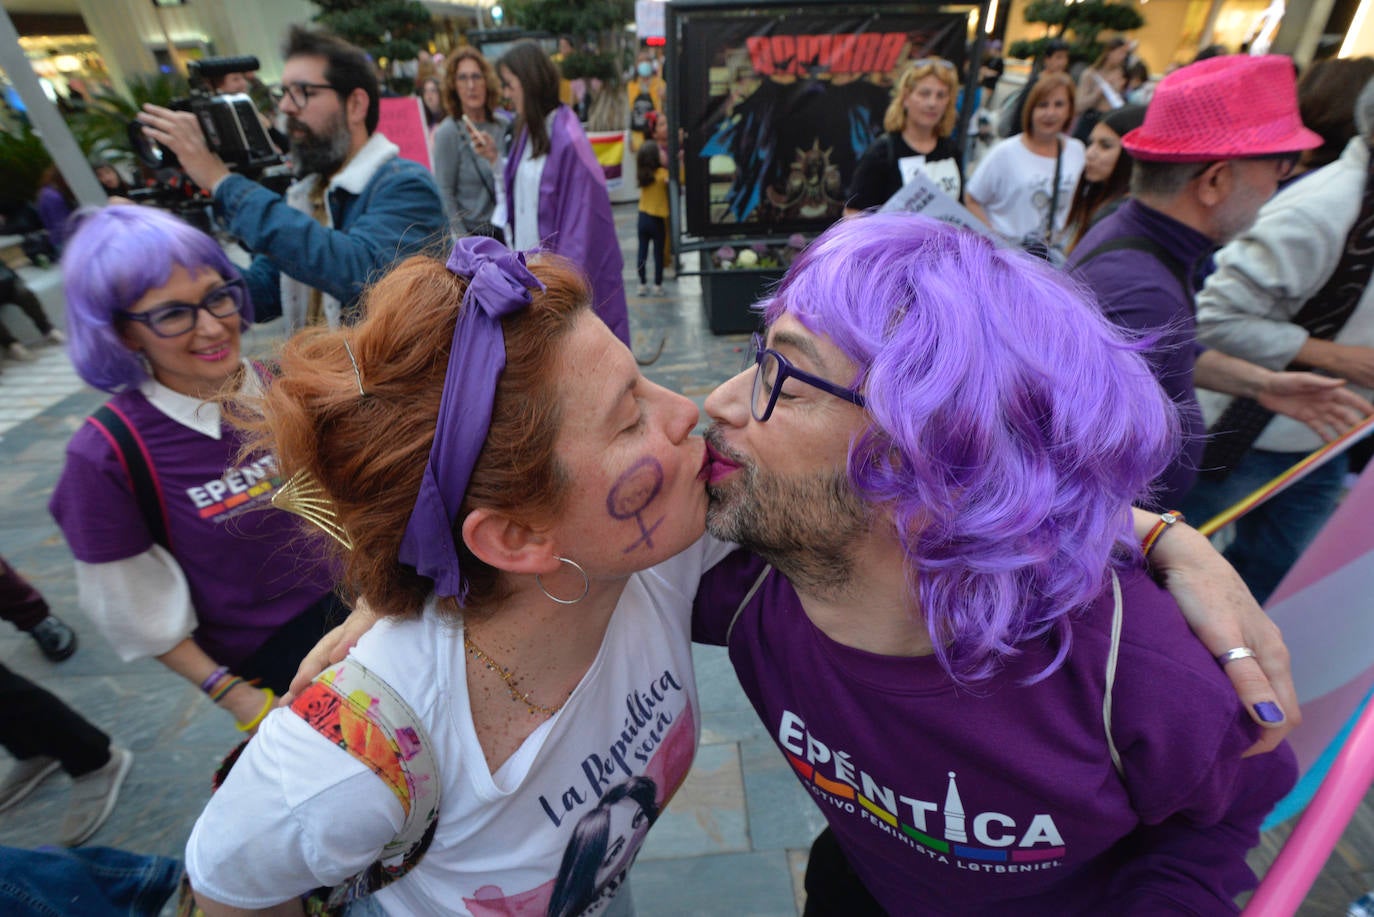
[
  {"x": 1012, "y": 425},
  {"x": 115, "y": 256}
]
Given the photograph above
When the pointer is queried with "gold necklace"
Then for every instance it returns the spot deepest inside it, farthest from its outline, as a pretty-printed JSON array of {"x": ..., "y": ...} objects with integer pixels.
[{"x": 508, "y": 676}]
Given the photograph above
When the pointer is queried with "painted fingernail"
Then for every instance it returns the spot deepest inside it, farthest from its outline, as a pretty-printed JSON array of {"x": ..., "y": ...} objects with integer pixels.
[{"x": 1269, "y": 712}]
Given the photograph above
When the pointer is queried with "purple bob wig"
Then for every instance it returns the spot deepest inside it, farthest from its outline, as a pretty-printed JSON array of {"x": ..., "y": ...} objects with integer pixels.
[
  {"x": 1012, "y": 425},
  {"x": 115, "y": 256}
]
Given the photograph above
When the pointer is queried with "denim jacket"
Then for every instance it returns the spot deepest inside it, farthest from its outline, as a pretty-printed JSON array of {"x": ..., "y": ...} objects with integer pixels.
[{"x": 382, "y": 208}]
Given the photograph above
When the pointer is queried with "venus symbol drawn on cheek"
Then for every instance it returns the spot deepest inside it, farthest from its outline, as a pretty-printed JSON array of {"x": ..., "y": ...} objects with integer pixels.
[{"x": 632, "y": 494}]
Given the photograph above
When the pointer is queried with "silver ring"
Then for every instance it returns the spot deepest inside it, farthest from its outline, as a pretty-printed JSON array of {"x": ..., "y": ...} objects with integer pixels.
[{"x": 1240, "y": 652}]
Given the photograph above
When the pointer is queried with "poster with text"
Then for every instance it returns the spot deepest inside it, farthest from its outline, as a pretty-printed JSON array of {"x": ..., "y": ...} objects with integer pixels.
[{"x": 779, "y": 106}]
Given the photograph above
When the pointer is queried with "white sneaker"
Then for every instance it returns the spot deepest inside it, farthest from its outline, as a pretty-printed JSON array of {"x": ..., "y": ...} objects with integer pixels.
[
  {"x": 55, "y": 336},
  {"x": 658, "y": 291},
  {"x": 24, "y": 777},
  {"x": 18, "y": 351},
  {"x": 94, "y": 796},
  {"x": 643, "y": 289}
]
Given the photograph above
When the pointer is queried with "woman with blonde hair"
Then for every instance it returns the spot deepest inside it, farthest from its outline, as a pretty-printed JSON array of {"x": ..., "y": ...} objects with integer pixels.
[
  {"x": 467, "y": 181},
  {"x": 918, "y": 122}
]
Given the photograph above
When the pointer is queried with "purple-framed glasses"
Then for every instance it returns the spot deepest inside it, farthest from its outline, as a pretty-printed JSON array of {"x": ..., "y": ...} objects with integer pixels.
[
  {"x": 173, "y": 319},
  {"x": 773, "y": 370}
]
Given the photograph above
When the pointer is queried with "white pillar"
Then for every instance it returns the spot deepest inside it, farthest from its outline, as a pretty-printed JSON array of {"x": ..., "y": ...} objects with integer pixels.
[{"x": 46, "y": 119}]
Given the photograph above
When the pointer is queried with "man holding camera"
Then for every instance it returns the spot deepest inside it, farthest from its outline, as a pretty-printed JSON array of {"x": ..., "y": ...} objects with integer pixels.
[{"x": 355, "y": 207}]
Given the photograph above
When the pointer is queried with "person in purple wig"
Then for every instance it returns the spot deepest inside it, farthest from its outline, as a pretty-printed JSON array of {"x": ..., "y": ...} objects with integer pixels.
[
  {"x": 179, "y": 554},
  {"x": 948, "y": 630}
]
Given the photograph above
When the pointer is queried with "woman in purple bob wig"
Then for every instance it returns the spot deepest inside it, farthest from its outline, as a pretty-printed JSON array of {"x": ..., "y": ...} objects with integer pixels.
[
  {"x": 960, "y": 650},
  {"x": 179, "y": 554}
]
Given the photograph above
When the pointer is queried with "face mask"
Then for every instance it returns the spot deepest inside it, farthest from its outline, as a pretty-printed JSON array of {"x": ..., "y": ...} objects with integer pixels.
[{"x": 646, "y": 69}]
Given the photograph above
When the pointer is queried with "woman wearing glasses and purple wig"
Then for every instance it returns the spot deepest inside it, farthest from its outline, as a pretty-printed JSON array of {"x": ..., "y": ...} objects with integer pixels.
[{"x": 179, "y": 555}]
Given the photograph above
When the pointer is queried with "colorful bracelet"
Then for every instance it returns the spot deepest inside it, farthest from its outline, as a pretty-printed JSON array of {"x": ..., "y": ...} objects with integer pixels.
[
  {"x": 262, "y": 714},
  {"x": 224, "y": 688},
  {"x": 1165, "y": 520},
  {"x": 208, "y": 685}
]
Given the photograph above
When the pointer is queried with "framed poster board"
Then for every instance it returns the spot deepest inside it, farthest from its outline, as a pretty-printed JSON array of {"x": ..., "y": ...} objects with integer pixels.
[{"x": 777, "y": 102}]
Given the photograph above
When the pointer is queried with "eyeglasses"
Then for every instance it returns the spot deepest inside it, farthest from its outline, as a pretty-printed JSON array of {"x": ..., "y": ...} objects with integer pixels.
[
  {"x": 933, "y": 62},
  {"x": 300, "y": 94},
  {"x": 174, "y": 319},
  {"x": 469, "y": 78},
  {"x": 773, "y": 370}
]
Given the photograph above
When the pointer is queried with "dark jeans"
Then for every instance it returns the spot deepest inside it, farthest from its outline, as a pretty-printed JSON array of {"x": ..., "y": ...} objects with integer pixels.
[
  {"x": 653, "y": 230},
  {"x": 20, "y": 603},
  {"x": 23, "y": 297},
  {"x": 833, "y": 888},
  {"x": 106, "y": 882},
  {"x": 35, "y": 722},
  {"x": 1269, "y": 538}
]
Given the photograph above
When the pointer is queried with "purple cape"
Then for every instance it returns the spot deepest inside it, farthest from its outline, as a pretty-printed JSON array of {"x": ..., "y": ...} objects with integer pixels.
[{"x": 575, "y": 218}]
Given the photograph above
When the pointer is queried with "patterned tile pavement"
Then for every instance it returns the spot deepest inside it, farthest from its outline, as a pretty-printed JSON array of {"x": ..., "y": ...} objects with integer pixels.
[{"x": 734, "y": 839}]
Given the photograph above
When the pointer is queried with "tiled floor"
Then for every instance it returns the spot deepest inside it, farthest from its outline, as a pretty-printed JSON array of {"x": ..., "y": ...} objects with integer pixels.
[{"x": 733, "y": 840}]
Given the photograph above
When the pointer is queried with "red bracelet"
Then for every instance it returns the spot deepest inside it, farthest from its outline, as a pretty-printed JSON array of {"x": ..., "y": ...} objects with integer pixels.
[{"x": 1165, "y": 520}]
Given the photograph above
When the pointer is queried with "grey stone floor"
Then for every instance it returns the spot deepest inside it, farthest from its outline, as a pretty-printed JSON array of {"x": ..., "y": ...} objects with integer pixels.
[{"x": 734, "y": 839}]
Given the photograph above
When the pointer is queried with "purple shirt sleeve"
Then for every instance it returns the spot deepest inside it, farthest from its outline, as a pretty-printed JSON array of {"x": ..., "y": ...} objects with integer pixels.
[
  {"x": 94, "y": 505},
  {"x": 1199, "y": 802}
]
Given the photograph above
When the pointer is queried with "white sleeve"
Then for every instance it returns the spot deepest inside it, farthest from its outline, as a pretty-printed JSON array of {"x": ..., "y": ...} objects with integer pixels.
[
  {"x": 141, "y": 604},
  {"x": 500, "y": 214},
  {"x": 985, "y": 184},
  {"x": 295, "y": 813}
]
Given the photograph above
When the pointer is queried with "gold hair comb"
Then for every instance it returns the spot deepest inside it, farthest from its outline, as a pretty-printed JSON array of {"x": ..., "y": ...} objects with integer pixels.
[{"x": 303, "y": 496}]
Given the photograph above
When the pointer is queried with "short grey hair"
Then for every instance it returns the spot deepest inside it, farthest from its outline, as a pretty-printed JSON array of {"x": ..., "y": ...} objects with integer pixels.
[
  {"x": 1364, "y": 111},
  {"x": 1162, "y": 179}
]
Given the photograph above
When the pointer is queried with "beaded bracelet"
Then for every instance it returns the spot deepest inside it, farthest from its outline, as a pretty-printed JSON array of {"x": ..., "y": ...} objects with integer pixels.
[
  {"x": 208, "y": 685},
  {"x": 262, "y": 714},
  {"x": 1165, "y": 520},
  {"x": 224, "y": 688}
]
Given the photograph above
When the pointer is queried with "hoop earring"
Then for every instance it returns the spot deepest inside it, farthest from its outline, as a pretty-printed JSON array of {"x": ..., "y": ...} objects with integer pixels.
[{"x": 586, "y": 584}]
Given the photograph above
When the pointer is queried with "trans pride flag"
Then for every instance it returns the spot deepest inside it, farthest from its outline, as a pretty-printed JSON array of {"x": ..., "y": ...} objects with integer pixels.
[{"x": 1325, "y": 608}]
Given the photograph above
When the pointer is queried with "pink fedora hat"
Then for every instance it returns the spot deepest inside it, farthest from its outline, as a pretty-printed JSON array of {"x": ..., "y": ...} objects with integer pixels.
[{"x": 1229, "y": 107}]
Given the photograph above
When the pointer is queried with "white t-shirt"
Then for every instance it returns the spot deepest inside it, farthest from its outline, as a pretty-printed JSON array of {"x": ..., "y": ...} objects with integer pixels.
[
  {"x": 1015, "y": 186},
  {"x": 296, "y": 812}
]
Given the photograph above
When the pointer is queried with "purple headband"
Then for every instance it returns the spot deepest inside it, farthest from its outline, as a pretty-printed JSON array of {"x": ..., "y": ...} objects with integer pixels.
[{"x": 499, "y": 284}]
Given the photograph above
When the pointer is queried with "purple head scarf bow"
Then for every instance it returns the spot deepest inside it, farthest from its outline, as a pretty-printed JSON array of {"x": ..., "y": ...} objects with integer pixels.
[{"x": 498, "y": 284}]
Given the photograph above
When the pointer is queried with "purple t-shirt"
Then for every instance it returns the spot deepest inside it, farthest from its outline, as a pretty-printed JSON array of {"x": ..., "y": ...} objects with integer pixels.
[
  {"x": 1139, "y": 292},
  {"x": 250, "y": 567},
  {"x": 1002, "y": 798}
]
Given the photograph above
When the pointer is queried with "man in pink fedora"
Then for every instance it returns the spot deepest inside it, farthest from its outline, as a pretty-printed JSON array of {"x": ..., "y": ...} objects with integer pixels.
[{"x": 1218, "y": 137}]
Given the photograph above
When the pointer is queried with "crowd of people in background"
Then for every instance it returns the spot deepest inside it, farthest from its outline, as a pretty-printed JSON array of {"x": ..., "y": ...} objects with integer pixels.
[{"x": 924, "y": 477}]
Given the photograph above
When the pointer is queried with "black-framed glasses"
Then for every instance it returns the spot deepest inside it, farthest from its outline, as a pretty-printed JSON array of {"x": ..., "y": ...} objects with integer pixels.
[
  {"x": 300, "y": 94},
  {"x": 773, "y": 370},
  {"x": 173, "y": 319}
]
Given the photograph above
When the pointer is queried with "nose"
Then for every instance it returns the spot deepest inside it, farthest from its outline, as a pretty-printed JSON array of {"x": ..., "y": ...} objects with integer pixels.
[
  {"x": 680, "y": 412},
  {"x": 729, "y": 403}
]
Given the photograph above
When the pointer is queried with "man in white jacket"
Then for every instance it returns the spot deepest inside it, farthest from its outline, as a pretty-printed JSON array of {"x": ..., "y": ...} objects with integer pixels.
[{"x": 1305, "y": 246}]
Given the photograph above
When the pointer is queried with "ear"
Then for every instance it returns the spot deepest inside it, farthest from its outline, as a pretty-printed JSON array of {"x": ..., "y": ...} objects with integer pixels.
[
  {"x": 356, "y": 107},
  {"x": 501, "y": 542},
  {"x": 1214, "y": 185}
]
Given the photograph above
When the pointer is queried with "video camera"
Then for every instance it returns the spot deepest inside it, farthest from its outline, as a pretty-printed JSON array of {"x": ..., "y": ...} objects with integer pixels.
[{"x": 232, "y": 130}]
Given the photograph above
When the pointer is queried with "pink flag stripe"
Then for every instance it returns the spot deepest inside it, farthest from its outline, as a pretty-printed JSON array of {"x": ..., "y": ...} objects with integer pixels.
[{"x": 1316, "y": 834}]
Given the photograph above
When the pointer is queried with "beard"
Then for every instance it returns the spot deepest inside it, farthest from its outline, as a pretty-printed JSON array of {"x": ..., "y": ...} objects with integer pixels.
[
  {"x": 807, "y": 527},
  {"x": 318, "y": 154}
]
